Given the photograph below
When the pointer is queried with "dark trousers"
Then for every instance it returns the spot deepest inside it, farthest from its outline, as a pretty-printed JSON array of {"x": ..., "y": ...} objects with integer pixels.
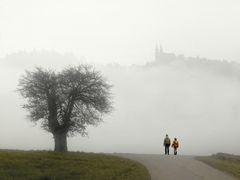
[
  {"x": 175, "y": 151},
  {"x": 167, "y": 148}
]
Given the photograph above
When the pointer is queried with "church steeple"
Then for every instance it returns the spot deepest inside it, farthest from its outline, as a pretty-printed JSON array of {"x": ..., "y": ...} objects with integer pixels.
[
  {"x": 157, "y": 53},
  {"x": 162, "y": 57}
]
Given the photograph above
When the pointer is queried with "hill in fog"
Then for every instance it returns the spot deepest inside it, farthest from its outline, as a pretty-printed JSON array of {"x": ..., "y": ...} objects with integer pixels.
[{"x": 221, "y": 67}]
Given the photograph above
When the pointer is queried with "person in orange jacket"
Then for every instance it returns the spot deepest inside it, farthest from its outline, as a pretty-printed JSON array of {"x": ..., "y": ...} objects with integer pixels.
[{"x": 175, "y": 145}]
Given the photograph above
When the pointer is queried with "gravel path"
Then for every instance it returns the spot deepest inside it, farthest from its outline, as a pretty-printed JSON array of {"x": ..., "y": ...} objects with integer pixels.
[{"x": 163, "y": 167}]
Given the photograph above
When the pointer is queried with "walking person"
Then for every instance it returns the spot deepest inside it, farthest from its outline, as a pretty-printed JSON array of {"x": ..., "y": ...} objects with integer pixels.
[
  {"x": 175, "y": 145},
  {"x": 167, "y": 143}
]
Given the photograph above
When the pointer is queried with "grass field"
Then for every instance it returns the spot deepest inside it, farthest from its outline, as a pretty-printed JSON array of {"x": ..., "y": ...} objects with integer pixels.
[
  {"x": 224, "y": 162},
  {"x": 44, "y": 165}
]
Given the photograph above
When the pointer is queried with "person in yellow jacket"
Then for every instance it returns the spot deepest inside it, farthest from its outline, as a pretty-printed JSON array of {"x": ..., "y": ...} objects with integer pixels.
[{"x": 175, "y": 145}]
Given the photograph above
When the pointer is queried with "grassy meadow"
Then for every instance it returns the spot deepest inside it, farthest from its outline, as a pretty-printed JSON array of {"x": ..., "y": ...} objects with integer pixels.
[
  {"x": 44, "y": 165},
  {"x": 224, "y": 162}
]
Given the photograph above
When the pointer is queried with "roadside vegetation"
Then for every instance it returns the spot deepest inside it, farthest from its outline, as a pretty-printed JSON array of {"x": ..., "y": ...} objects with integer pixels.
[
  {"x": 44, "y": 165},
  {"x": 224, "y": 162}
]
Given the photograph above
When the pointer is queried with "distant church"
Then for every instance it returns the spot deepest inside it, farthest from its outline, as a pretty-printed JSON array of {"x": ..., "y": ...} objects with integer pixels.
[{"x": 162, "y": 57}]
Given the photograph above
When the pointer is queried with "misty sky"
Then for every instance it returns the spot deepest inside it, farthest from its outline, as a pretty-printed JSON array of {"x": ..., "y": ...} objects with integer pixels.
[{"x": 123, "y": 31}]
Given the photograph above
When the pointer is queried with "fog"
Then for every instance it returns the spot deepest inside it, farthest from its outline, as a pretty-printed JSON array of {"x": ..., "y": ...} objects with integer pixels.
[
  {"x": 189, "y": 89},
  {"x": 198, "y": 104},
  {"x": 122, "y": 31}
]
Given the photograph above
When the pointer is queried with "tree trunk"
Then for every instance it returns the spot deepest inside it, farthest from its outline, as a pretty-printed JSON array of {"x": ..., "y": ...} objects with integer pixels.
[{"x": 60, "y": 140}]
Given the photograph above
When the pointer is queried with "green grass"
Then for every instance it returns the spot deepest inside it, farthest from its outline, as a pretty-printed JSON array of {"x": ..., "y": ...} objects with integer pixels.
[
  {"x": 224, "y": 162},
  {"x": 44, "y": 165}
]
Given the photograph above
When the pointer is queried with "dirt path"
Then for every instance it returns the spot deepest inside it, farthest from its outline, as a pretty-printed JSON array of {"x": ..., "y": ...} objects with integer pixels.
[{"x": 171, "y": 167}]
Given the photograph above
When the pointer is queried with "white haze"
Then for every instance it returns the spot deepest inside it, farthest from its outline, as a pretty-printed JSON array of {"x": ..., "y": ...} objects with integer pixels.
[
  {"x": 122, "y": 31},
  {"x": 197, "y": 105}
]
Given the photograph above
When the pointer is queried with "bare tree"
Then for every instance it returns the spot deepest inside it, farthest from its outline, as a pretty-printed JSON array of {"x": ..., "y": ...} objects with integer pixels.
[{"x": 66, "y": 101}]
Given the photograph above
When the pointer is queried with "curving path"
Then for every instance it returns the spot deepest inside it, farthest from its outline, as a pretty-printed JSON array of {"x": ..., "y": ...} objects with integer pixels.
[{"x": 162, "y": 167}]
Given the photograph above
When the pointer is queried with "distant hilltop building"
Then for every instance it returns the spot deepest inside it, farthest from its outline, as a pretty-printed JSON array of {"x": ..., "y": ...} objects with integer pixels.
[{"x": 163, "y": 57}]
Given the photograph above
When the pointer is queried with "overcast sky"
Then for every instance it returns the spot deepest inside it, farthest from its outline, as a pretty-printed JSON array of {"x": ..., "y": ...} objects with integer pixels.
[{"x": 123, "y": 31}]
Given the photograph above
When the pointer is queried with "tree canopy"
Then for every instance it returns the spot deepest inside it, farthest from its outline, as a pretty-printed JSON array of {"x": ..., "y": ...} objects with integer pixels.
[{"x": 68, "y": 101}]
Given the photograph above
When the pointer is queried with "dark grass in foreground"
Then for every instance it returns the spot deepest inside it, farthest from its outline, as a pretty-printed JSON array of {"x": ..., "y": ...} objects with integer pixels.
[
  {"x": 43, "y": 165},
  {"x": 224, "y": 162}
]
